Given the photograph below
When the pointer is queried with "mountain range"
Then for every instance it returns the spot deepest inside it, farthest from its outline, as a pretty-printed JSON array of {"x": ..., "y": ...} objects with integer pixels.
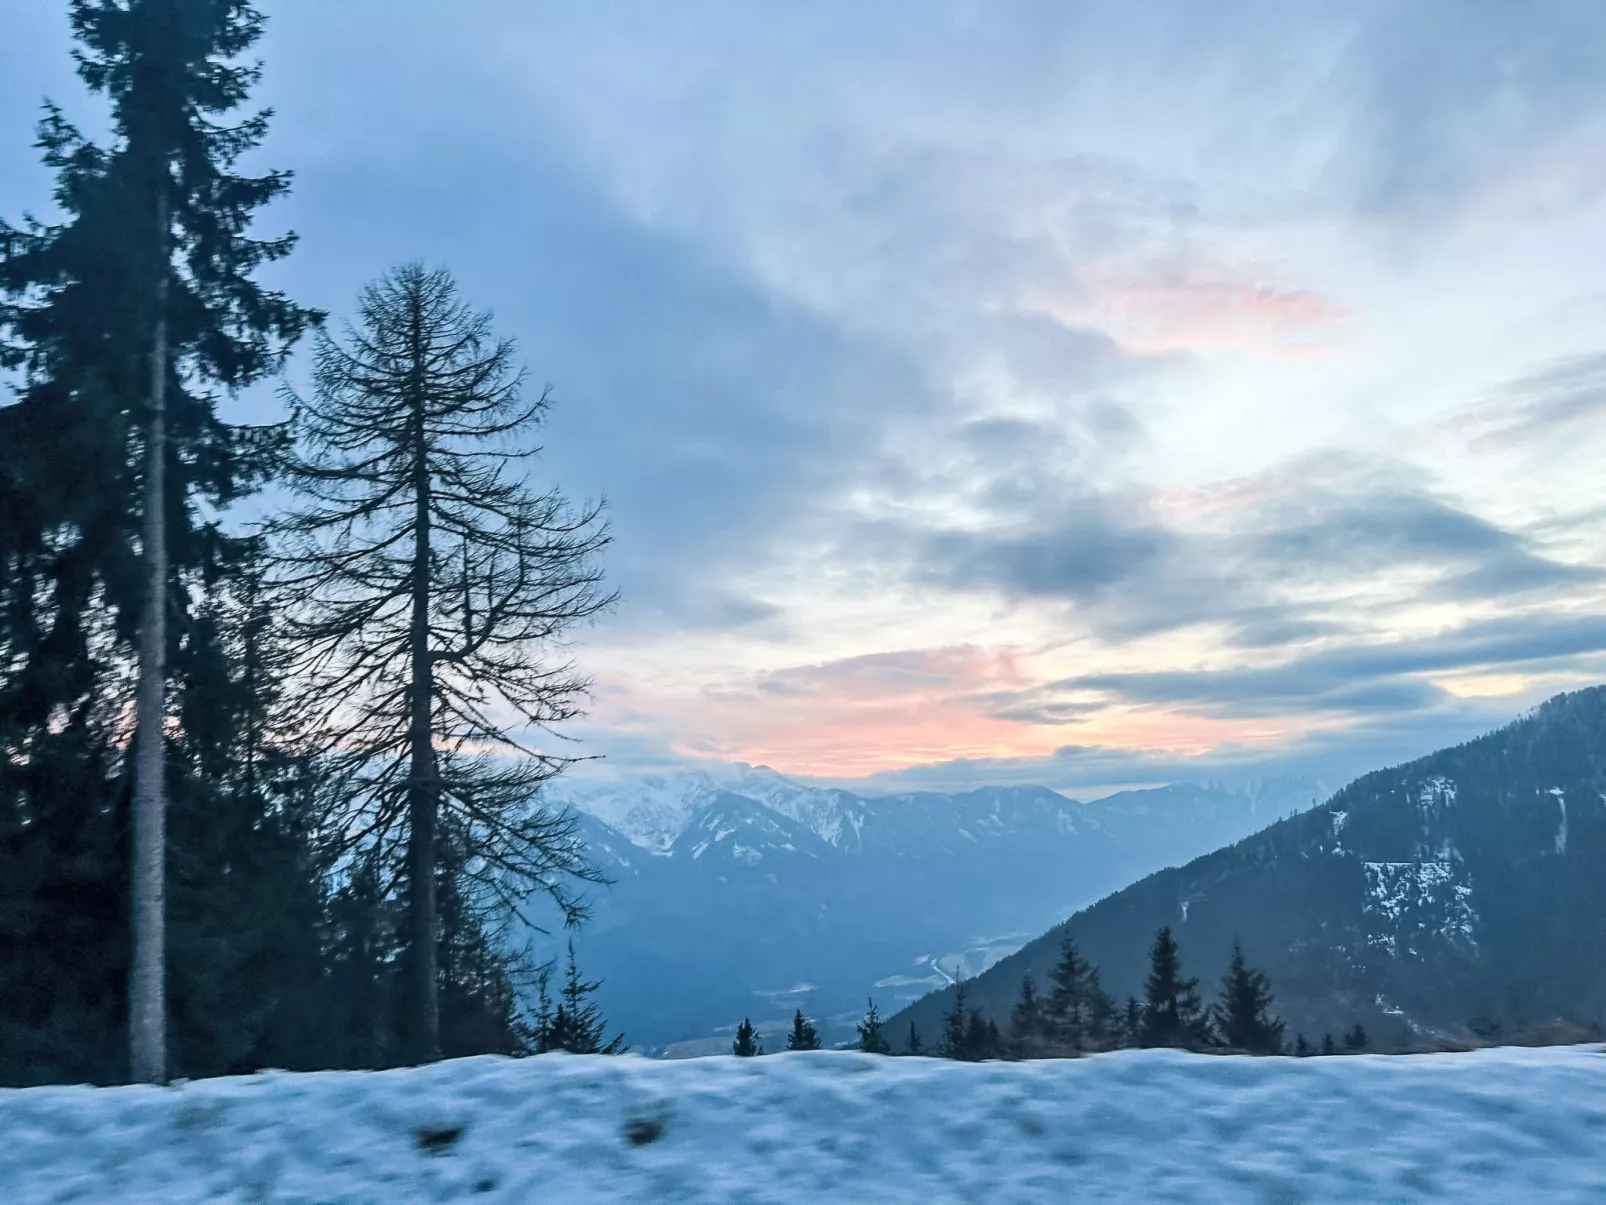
[
  {"x": 1466, "y": 887},
  {"x": 737, "y": 892}
]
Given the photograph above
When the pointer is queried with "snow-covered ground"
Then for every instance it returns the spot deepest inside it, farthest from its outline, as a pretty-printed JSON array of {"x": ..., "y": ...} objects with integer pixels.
[{"x": 1503, "y": 1126}]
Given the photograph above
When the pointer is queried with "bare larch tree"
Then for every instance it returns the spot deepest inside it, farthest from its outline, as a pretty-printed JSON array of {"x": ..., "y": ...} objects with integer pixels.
[{"x": 430, "y": 586}]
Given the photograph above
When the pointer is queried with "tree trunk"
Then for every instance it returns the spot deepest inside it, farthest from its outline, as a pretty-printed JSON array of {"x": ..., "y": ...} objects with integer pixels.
[
  {"x": 147, "y": 987},
  {"x": 422, "y": 783}
]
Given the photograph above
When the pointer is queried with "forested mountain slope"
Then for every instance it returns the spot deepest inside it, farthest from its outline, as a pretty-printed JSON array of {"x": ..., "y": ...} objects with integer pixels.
[{"x": 1469, "y": 883}]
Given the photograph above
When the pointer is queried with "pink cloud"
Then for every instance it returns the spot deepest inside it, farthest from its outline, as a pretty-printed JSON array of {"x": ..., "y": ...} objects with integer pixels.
[
  {"x": 889, "y": 711},
  {"x": 1197, "y": 305}
]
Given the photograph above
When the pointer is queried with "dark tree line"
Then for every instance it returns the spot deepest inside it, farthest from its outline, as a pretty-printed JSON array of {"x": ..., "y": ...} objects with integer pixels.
[
  {"x": 265, "y": 798},
  {"x": 1078, "y": 1016}
]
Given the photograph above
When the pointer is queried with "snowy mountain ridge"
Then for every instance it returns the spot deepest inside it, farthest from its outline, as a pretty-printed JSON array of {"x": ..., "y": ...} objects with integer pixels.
[
  {"x": 731, "y": 884},
  {"x": 652, "y": 811}
]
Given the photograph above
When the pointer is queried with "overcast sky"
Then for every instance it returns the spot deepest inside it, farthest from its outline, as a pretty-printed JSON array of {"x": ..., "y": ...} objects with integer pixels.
[{"x": 1084, "y": 393}]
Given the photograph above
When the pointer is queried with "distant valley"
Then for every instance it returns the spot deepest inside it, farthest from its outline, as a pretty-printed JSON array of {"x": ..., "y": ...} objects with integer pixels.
[{"x": 737, "y": 892}]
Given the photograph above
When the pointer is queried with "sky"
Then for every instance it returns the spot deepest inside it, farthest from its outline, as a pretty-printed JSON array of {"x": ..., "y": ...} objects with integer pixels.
[{"x": 1087, "y": 394}]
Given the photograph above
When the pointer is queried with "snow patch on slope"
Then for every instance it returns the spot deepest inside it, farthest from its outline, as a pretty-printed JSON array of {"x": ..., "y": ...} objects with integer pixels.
[
  {"x": 1561, "y": 830},
  {"x": 1409, "y": 903}
]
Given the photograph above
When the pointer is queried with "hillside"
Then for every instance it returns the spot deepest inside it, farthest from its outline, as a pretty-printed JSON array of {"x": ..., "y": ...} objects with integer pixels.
[
  {"x": 1470, "y": 882},
  {"x": 744, "y": 894},
  {"x": 1498, "y": 1126}
]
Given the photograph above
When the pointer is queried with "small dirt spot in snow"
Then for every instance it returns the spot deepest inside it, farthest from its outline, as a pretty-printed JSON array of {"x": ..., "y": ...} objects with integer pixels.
[
  {"x": 644, "y": 1131},
  {"x": 437, "y": 1140}
]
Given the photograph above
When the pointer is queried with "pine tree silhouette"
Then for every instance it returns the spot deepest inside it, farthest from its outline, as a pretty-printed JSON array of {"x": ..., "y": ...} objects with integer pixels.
[
  {"x": 1068, "y": 997},
  {"x": 1327, "y": 1044},
  {"x": 1243, "y": 1013},
  {"x": 915, "y": 1045},
  {"x": 803, "y": 1035},
  {"x": 954, "y": 1024},
  {"x": 1026, "y": 1019},
  {"x": 1132, "y": 1022},
  {"x": 747, "y": 1043},
  {"x": 994, "y": 1047},
  {"x": 871, "y": 1039},
  {"x": 1103, "y": 1017},
  {"x": 577, "y": 1024},
  {"x": 1172, "y": 1014},
  {"x": 1302, "y": 1048},
  {"x": 1356, "y": 1041}
]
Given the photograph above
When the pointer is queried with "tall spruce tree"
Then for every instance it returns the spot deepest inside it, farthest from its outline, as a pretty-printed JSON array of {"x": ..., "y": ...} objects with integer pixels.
[
  {"x": 747, "y": 1043},
  {"x": 1026, "y": 1019},
  {"x": 431, "y": 583},
  {"x": 914, "y": 1046},
  {"x": 1079, "y": 1014},
  {"x": 576, "y": 1024},
  {"x": 1243, "y": 1013},
  {"x": 245, "y": 879},
  {"x": 120, "y": 317},
  {"x": 803, "y": 1035},
  {"x": 1067, "y": 1000},
  {"x": 1172, "y": 1013},
  {"x": 871, "y": 1038},
  {"x": 955, "y": 1024},
  {"x": 1104, "y": 1023}
]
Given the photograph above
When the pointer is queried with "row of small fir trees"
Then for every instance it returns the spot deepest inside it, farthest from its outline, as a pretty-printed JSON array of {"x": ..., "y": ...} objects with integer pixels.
[{"x": 1078, "y": 1016}]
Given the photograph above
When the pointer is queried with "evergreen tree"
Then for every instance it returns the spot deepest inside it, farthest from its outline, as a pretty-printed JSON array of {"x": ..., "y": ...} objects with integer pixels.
[
  {"x": 747, "y": 1043},
  {"x": 363, "y": 923},
  {"x": 576, "y": 1024},
  {"x": 803, "y": 1035},
  {"x": 1078, "y": 1013},
  {"x": 1104, "y": 1022},
  {"x": 955, "y": 1023},
  {"x": 244, "y": 881},
  {"x": 1356, "y": 1041},
  {"x": 871, "y": 1039},
  {"x": 1327, "y": 1044},
  {"x": 977, "y": 1042},
  {"x": 1172, "y": 1014},
  {"x": 1302, "y": 1048},
  {"x": 1243, "y": 1014},
  {"x": 994, "y": 1048},
  {"x": 1026, "y": 1019},
  {"x": 1068, "y": 997},
  {"x": 429, "y": 584},
  {"x": 120, "y": 318},
  {"x": 914, "y": 1046},
  {"x": 1132, "y": 1022}
]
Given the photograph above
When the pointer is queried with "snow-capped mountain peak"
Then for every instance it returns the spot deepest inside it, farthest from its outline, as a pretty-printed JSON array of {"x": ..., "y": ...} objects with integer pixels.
[{"x": 653, "y": 810}]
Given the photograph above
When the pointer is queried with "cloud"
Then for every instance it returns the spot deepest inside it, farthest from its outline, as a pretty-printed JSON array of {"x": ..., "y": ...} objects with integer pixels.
[
  {"x": 990, "y": 336},
  {"x": 1277, "y": 558},
  {"x": 1324, "y": 758},
  {"x": 1543, "y": 405},
  {"x": 1186, "y": 303},
  {"x": 1452, "y": 101},
  {"x": 1363, "y": 679}
]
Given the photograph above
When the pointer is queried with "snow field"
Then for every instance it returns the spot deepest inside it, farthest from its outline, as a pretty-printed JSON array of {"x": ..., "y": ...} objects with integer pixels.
[{"x": 1500, "y": 1126}]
